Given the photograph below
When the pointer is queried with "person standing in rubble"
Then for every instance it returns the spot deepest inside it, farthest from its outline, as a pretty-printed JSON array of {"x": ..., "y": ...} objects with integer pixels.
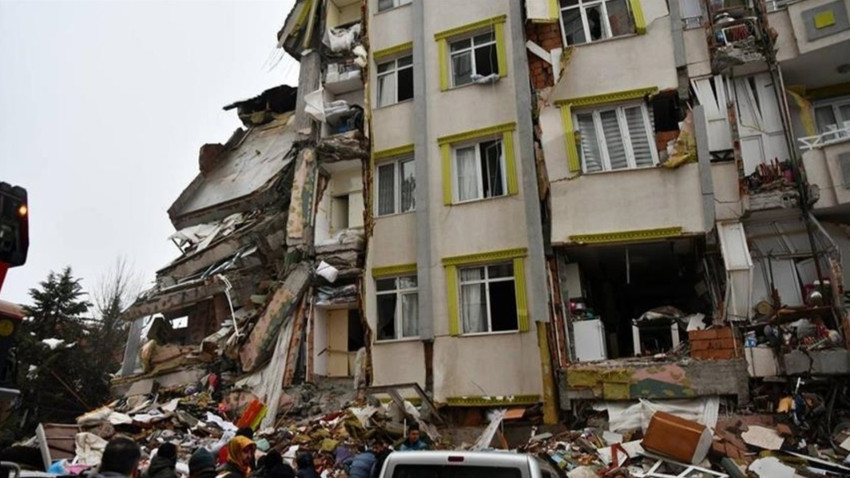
[
  {"x": 382, "y": 451},
  {"x": 164, "y": 463},
  {"x": 240, "y": 458},
  {"x": 306, "y": 467},
  {"x": 362, "y": 464},
  {"x": 242, "y": 432},
  {"x": 413, "y": 441},
  {"x": 202, "y": 464},
  {"x": 120, "y": 459}
]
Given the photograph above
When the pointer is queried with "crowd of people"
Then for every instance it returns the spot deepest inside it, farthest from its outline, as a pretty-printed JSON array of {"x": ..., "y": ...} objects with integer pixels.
[{"x": 122, "y": 456}]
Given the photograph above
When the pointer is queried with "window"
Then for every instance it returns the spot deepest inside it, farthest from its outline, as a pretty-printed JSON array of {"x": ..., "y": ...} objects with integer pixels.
[
  {"x": 474, "y": 57},
  {"x": 584, "y": 21},
  {"x": 398, "y": 307},
  {"x": 396, "y": 185},
  {"x": 479, "y": 171},
  {"x": 387, "y": 4},
  {"x": 395, "y": 81},
  {"x": 833, "y": 115},
  {"x": 488, "y": 299},
  {"x": 615, "y": 137}
]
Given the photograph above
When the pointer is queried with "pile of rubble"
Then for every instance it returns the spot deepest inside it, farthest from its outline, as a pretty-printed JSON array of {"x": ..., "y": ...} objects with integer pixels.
[{"x": 328, "y": 419}]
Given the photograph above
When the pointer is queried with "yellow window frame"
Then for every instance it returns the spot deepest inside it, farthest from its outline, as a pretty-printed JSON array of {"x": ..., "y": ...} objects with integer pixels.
[
  {"x": 443, "y": 38},
  {"x": 452, "y": 264},
  {"x": 506, "y": 131},
  {"x": 566, "y": 106}
]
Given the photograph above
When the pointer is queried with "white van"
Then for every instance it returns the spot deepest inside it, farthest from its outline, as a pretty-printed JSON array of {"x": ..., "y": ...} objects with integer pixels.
[{"x": 465, "y": 464}]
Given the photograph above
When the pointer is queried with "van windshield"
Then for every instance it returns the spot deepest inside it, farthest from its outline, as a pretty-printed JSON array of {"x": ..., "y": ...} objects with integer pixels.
[{"x": 455, "y": 471}]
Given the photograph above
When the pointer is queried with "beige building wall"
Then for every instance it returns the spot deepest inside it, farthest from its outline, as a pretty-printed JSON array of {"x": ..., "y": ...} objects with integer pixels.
[
  {"x": 462, "y": 366},
  {"x": 622, "y": 200}
]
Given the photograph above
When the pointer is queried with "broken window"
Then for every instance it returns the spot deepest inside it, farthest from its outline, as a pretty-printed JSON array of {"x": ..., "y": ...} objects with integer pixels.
[
  {"x": 615, "y": 137},
  {"x": 479, "y": 171},
  {"x": 395, "y": 81},
  {"x": 833, "y": 115},
  {"x": 396, "y": 185},
  {"x": 388, "y": 4},
  {"x": 488, "y": 299},
  {"x": 586, "y": 21},
  {"x": 398, "y": 307},
  {"x": 475, "y": 56}
]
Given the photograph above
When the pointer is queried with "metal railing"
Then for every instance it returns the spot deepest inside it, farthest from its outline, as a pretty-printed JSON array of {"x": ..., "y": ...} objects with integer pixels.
[{"x": 833, "y": 135}]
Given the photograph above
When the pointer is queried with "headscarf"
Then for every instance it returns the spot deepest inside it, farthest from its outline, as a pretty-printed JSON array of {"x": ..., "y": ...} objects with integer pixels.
[{"x": 235, "y": 451}]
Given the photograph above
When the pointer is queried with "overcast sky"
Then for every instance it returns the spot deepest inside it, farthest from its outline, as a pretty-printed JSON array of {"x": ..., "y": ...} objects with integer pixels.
[{"x": 103, "y": 106}]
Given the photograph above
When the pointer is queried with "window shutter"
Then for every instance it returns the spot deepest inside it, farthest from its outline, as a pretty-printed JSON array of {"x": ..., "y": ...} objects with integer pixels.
[
  {"x": 443, "y": 52},
  {"x": 613, "y": 139},
  {"x": 521, "y": 300},
  {"x": 640, "y": 22},
  {"x": 452, "y": 300},
  {"x": 589, "y": 143},
  {"x": 510, "y": 163},
  {"x": 637, "y": 134},
  {"x": 446, "y": 153},
  {"x": 570, "y": 139}
]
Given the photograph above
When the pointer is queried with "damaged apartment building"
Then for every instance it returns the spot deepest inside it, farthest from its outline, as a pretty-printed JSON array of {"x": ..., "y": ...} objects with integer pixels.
[{"x": 507, "y": 203}]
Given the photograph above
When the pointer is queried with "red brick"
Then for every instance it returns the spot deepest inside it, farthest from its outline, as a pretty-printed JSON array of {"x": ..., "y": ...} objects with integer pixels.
[
  {"x": 702, "y": 334},
  {"x": 724, "y": 333},
  {"x": 723, "y": 344},
  {"x": 700, "y": 344}
]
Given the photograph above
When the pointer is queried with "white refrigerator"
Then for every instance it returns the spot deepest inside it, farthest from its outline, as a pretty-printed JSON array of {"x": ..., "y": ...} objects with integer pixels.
[{"x": 589, "y": 339}]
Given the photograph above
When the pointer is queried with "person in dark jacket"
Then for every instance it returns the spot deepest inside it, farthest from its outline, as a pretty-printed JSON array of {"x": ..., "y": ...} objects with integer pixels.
[
  {"x": 240, "y": 456},
  {"x": 120, "y": 459},
  {"x": 202, "y": 464},
  {"x": 413, "y": 442},
  {"x": 274, "y": 467},
  {"x": 306, "y": 467},
  {"x": 382, "y": 451},
  {"x": 164, "y": 463}
]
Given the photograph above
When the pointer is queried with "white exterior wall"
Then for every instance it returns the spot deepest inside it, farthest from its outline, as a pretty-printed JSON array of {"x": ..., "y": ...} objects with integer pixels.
[
  {"x": 727, "y": 196},
  {"x": 795, "y": 13},
  {"x": 823, "y": 168}
]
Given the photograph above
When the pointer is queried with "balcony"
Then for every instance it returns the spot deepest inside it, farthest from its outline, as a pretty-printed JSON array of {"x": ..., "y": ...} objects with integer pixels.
[
  {"x": 737, "y": 36},
  {"x": 826, "y": 158}
]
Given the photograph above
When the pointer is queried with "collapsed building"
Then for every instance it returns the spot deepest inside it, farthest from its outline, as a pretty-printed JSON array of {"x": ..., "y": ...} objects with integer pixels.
[{"x": 511, "y": 203}]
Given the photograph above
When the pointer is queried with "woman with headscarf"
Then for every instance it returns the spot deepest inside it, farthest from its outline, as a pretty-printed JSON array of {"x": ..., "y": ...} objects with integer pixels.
[{"x": 240, "y": 457}]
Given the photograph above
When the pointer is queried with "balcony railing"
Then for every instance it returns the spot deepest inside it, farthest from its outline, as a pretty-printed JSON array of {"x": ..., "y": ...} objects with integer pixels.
[{"x": 832, "y": 135}]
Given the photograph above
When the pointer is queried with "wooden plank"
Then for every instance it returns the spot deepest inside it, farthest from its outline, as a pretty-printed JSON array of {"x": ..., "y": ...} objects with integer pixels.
[
  {"x": 338, "y": 343},
  {"x": 295, "y": 342},
  {"x": 286, "y": 298}
]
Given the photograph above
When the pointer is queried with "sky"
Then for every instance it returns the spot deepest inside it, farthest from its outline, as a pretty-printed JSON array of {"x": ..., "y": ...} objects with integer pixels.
[{"x": 103, "y": 107}]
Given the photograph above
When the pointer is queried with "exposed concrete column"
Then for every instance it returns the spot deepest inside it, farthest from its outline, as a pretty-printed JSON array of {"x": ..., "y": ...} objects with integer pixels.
[
  {"x": 308, "y": 82},
  {"x": 704, "y": 157},
  {"x": 423, "y": 200},
  {"x": 131, "y": 350},
  {"x": 536, "y": 282}
]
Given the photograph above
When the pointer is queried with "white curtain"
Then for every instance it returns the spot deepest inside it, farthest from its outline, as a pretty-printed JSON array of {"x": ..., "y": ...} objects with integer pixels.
[
  {"x": 386, "y": 89},
  {"x": 462, "y": 68},
  {"x": 410, "y": 315},
  {"x": 386, "y": 189},
  {"x": 467, "y": 176},
  {"x": 473, "y": 306}
]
